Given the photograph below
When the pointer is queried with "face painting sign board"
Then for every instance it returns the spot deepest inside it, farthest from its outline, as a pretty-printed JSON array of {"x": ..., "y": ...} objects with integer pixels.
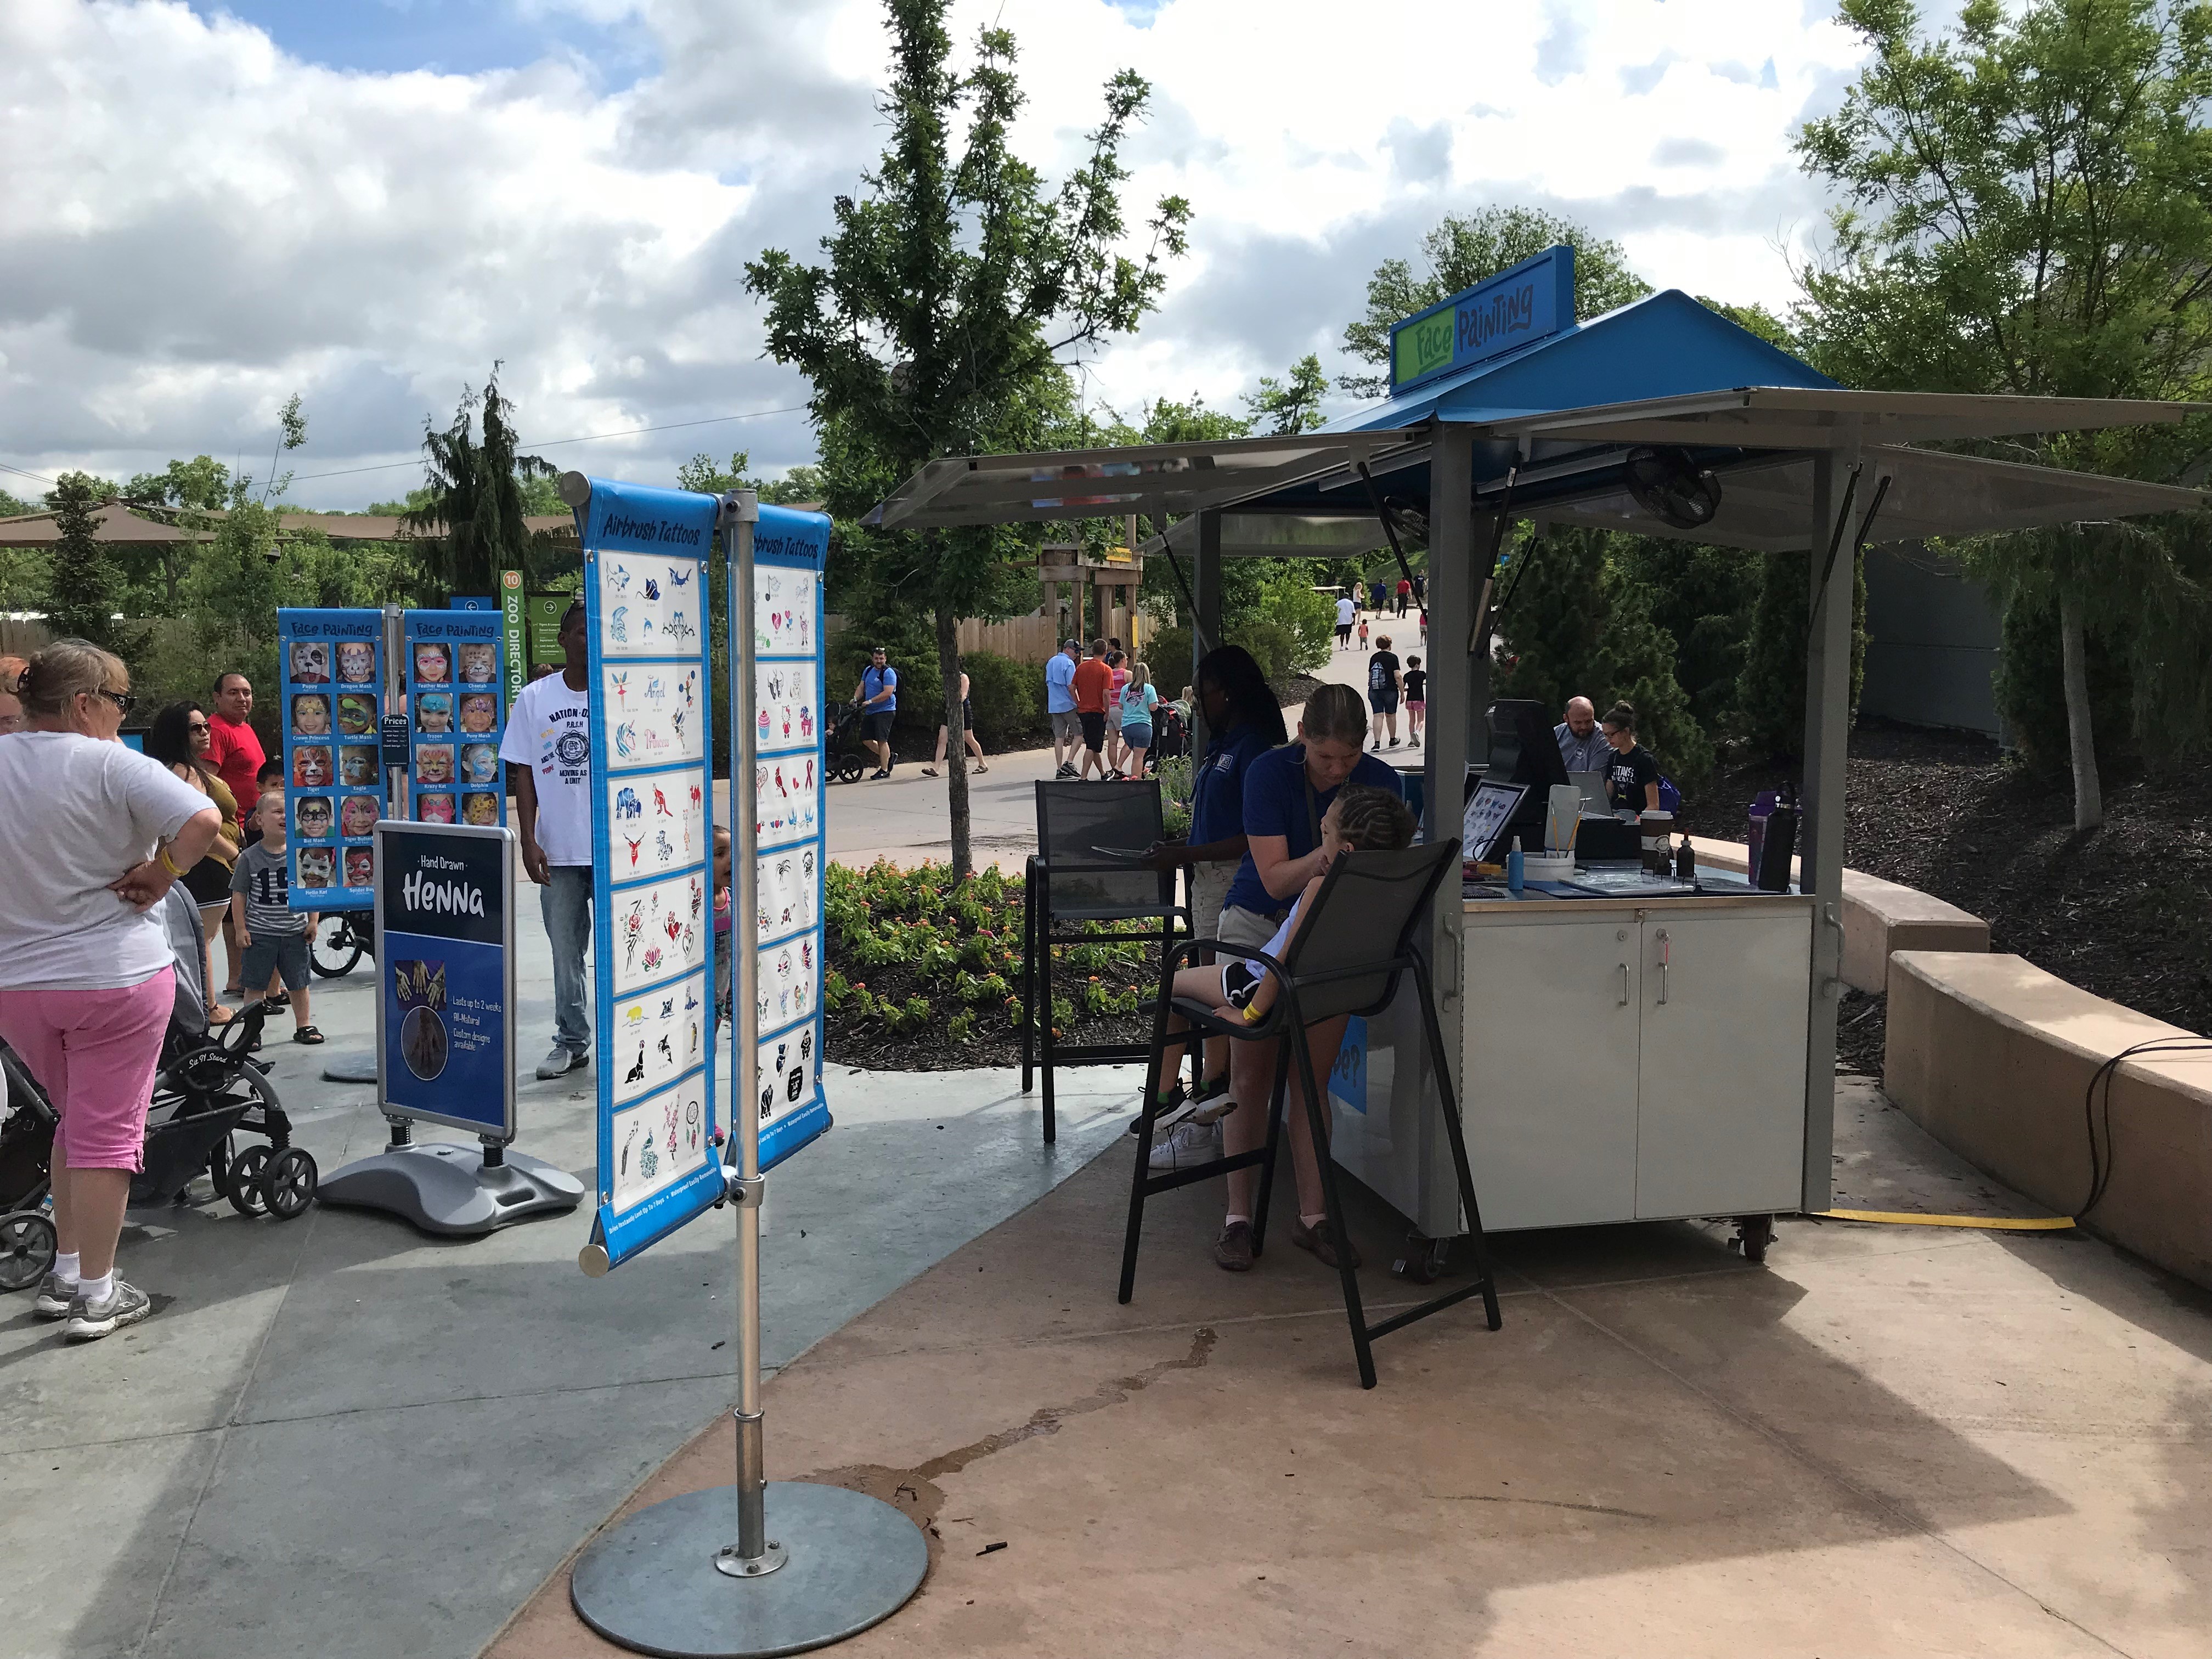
[
  {"x": 646, "y": 555},
  {"x": 786, "y": 714},
  {"x": 331, "y": 670},
  {"x": 453, "y": 673}
]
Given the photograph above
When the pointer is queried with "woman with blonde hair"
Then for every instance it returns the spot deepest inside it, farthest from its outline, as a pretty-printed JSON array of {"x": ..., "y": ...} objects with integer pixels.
[
  {"x": 97, "y": 835},
  {"x": 1138, "y": 699}
]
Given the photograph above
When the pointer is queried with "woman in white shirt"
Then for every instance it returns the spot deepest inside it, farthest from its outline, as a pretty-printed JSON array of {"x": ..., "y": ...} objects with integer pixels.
[{"x": 97, "y": 835}]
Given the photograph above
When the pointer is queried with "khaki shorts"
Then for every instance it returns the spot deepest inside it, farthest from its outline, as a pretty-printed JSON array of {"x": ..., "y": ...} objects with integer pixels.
[
  {"x": 1066, "y": 728},
  {"x": 1246, "y": 929},
  {"x": 1209, "y": 886}
]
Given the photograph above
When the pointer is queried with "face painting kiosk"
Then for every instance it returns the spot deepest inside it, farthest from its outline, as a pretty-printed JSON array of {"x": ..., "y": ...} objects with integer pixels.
[{"x": 1627, "y": 1047}]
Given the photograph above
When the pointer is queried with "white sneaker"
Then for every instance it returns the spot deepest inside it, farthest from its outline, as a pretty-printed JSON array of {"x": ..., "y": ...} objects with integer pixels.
[
  {"x": 1186, "y": 1146},
  {"x": 54, "y": 1297},
  {"x": 559, "y": 1063},
  {"x": 90, "y": 1320}
]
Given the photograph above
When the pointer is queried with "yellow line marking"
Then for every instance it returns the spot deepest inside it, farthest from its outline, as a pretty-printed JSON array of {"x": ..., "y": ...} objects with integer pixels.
[{"x": 2029, "y": 1224}]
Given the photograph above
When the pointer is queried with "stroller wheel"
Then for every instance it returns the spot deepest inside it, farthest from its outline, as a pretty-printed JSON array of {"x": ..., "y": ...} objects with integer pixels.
[
  {"x": 849, "y": 767},
  {"x": 28, "y": 1245},
  {"x": 288, "y": 1184},
  {"x": 245, "y": 1170}
]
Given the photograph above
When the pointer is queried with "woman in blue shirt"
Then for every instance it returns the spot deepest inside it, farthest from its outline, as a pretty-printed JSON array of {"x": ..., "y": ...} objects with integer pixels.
[{"x": 1138, "y": 699}]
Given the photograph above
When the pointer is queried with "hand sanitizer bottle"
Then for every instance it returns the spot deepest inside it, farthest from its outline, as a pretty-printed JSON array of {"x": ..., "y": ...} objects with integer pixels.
[{"x": 1513, "y": 867}]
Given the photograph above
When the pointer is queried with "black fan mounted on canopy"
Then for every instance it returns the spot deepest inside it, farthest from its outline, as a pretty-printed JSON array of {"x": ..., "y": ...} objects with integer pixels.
[{"x": 1671, "y": 488}]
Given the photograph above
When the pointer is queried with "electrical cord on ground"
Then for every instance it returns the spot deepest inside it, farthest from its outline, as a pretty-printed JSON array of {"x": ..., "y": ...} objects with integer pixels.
[{"x": 2100, "y": 1166}]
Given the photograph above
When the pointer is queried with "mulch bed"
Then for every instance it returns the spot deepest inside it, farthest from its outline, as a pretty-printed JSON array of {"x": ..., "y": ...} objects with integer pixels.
[
  {"x": 864, "y": 1044},
  {"x": 2116, "y": 911}
]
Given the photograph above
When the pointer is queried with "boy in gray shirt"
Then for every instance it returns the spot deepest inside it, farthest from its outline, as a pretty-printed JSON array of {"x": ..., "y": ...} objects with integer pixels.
[{"x": 273, "y": 936}]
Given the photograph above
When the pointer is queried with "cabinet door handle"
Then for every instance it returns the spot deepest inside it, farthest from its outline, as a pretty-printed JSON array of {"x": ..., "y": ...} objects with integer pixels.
[
  {"x": 1665, "y": 949},
  {"x": 1623, "y": 985}
]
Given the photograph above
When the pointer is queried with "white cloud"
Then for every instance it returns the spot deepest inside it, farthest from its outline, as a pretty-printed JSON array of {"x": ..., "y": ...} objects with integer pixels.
[{"x": 199, "y": 224}]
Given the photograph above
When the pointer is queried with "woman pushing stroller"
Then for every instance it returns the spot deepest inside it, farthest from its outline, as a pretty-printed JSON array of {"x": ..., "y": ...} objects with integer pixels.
[{"x": 97, "y": 835}]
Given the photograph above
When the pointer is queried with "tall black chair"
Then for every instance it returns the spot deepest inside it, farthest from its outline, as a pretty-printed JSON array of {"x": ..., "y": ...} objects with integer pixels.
[
  {"x": 1347, "y": 958},
  {"x": 1072, "y": 893}
]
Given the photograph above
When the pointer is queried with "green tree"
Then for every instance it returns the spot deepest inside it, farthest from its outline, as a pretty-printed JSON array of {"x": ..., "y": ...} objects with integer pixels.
[
  {"x": 14, "y": 507},
  {"x": 1636, "y": 665},
  {"x": 951, "y": 288},
  {"x": 1769, "y": 695},
  {"x": 2029, "y": 210},
  {"x": 1703, "y": 597},
  {"x": 85, "y": 587},
  {"x": 476, "y": 502},
  {"x": 197, "y": 487},
  {"x": 1291, "y": 404},
  {"x": 1552, "y": 626},
  {"x": 1465, "y": 249}
]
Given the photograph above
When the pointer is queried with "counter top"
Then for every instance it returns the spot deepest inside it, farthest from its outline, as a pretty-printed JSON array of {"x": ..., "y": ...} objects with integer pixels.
[{"x": 1718, "y": 888}]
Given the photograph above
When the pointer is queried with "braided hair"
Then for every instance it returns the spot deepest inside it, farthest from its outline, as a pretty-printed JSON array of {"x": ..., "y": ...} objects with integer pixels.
[{"x": 1373, "y": 820}]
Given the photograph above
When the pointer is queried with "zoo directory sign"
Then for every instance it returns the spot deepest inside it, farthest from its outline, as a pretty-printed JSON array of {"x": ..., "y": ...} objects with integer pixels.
[
  {"x": 1520, "y": 306},
  {"x": 785, "y": 712},
  {"x": 445, "y": 959},
  {"x": 330, "y": 665},
  {"x": 646, "y": 555}
]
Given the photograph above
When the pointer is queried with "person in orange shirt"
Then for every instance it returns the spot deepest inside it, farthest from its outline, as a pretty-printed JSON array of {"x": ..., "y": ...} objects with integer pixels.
[{"x": 1094, "y": 681}]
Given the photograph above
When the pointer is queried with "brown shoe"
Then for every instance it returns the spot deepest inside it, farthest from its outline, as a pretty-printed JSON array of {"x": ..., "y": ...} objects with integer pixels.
[
  {"x": 1232, "y": 1251},
  {"x": 1313, "y": 1239}
]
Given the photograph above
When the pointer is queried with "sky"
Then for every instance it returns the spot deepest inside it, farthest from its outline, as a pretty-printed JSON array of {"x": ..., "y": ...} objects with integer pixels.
[{"x": 210, "y": 207}]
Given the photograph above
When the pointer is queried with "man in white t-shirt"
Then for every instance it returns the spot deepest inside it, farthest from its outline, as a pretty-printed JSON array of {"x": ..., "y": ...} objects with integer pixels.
[
  {"x": 548, "y": 750},
  {"x": 1346, "y": 612}
]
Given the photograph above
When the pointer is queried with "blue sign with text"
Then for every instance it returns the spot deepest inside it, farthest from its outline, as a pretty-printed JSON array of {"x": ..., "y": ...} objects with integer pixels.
[{"x": 1518, "y": 307}]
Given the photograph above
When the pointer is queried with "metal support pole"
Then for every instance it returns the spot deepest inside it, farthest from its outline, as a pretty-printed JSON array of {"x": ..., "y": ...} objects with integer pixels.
[
  {"x": 1827, "y": 735},
  {"x": 1455, "y": 681},
  {"x": 755, "y": 1552},
  {"x": 1208, "y": 578}
]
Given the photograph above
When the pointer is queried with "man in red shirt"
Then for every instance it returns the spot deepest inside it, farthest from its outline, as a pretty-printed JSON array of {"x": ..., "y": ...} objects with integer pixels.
[
  {"x": 233, "y": 749},
  {"x": 1094, "y": 680}
]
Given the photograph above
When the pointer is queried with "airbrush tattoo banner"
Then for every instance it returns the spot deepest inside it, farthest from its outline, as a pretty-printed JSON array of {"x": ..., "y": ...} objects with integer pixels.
[
  {"x": 784, "y": 706},
  {"x": 646, "y": 555},
  {"x": 458, "y": 716},
  {"x": 331, "y": 668}
]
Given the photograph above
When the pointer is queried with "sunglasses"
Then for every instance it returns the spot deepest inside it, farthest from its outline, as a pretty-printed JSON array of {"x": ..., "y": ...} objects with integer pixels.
[
  {"x": 124, "y": 702},
  {"x": 197, "y": 726}
]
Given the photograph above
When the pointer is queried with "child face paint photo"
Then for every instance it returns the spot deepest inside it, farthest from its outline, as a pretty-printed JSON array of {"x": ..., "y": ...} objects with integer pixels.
[
  {"x": 480, "y": 808},
  {"x": 310, "y": 716},
  {"x": 356, "y": 662},
  {"x": 358, "y": 764},
  {"x": 315, "y": 866},
  {"x": 432, "y": 665},
  {"x": 357, "y": 816},
  {"x": 433, "y": 763},
  {"x": 311, "y": 663},
  {"x": 477, "y": 664},
  {"x": 436, "y": 808},
  {"x": 356, "y": 715},
  {"x": 434, "y": 712},
  {"x": 479, "y": 711},
  {"x": 479, "y": 763},
  {"x": 360, "y": 866},
  {"x": 311, "y": 818},
  {"x": 310, "y": 766}
]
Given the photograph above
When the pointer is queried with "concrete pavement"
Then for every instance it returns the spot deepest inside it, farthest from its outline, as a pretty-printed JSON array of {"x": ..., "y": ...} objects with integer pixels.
[{"x": 339, "y": 1437}]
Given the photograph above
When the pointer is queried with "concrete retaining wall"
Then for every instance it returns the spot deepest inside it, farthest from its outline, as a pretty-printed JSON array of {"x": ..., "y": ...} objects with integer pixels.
[{"x": 1992, "y": 1055}]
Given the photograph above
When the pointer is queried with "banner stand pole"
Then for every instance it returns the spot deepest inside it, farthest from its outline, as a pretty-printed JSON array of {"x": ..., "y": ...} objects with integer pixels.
[{"x": 839, "y": 1561}]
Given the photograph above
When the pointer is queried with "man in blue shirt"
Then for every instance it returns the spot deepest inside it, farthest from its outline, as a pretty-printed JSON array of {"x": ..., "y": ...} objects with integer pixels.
[
  {"x": 1581, "y": 745},
  {"x": 878, "y": 696},
  {"x": 1060, "y": 706}
]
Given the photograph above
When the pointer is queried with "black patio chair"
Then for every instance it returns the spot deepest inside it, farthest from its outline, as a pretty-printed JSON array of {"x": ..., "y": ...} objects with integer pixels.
[
  {"x": 1070, "y": 887},
  {"x": 1347, "y": 958}
]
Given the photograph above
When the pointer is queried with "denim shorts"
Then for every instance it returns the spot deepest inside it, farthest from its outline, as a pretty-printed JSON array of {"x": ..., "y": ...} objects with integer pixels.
[{"x": 285, "y": 956}]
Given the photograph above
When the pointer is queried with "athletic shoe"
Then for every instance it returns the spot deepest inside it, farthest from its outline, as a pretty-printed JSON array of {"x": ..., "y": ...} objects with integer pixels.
[
  {"x": 559, "y": 1063},
  {"x": 54, "y": 1296},
  {"x": 879, "y": 774},
  {"x": 1232, "y": 1251},
  {"x": 1185, "y": 1148},
  {"x": 1416, "y": 741},
  {"x": 1316, "y": 1239},
  {"x": 1066, "y": 771},
  {"x": 88, "y": 1321}
]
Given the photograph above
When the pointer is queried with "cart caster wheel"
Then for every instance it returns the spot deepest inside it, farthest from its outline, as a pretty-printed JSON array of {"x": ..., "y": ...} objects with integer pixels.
[
  {"x": 1423, "y": 1260},
  {"x": 288, "y": 1183},
  {"x": 28, "y": 1247},
  {"x": 1753, "y": 1234},
  {"x": 244, "y": 1193}
]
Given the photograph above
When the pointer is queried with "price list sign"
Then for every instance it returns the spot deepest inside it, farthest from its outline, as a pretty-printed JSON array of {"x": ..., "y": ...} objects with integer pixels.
[
  {"x": 646, "y": 555},
  {"x": 332, "y": 663}
]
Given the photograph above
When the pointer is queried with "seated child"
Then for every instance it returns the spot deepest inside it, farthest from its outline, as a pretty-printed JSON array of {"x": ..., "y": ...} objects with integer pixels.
[{"x": 1359, "y": 819}]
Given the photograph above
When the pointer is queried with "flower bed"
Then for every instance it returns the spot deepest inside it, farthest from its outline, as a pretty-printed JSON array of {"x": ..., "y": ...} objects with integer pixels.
[{"x": 926, "y": 975}]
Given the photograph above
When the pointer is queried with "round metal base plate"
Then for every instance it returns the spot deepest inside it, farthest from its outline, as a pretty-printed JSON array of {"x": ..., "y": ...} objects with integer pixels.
[
  {"x": 355, "y": 1067},
  {"x": 652, "y": 1584}
]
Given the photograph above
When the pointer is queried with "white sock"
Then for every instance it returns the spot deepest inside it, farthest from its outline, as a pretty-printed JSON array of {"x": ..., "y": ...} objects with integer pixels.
[
  {"x": 96, "y": 1289},
  {"x": 1313, "y": 1222},
  {"x": 65, "y": 1266},
  {"x": 1234, "y": 1219}
]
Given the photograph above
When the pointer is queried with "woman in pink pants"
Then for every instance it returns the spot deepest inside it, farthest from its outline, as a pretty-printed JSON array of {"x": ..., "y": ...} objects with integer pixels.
[{"x": 96, "y": 834}]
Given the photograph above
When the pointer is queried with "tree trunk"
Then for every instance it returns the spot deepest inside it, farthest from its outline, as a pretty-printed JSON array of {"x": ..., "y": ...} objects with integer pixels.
[
  {"x": 956, "y": 741},
  {"x": 2073, "y": 655}
]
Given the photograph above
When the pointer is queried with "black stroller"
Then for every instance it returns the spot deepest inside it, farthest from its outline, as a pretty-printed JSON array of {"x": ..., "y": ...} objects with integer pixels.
[
  {"x": 208, "y": 1091},
  {"x": 845, "y": 760}
]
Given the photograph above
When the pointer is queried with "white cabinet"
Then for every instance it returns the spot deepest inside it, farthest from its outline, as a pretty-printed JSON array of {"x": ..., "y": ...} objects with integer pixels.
[{"x": 1623, "y": 1063}]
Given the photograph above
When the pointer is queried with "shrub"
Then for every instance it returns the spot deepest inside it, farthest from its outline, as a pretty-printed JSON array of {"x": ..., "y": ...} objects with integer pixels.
[
  {"x": 1167, "y": 653},
  {"x": 2031, "y": 692},
  {"x": 1009, "y": 701}
]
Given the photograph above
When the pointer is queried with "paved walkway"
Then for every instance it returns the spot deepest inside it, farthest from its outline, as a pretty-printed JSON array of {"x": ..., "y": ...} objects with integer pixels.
[
  {"x": 1885, "y": 1441},
  {"x": 339, "y": 1438}
]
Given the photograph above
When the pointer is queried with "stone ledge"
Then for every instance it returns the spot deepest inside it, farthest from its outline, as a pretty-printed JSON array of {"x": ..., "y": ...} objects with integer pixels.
[
  {"x": 1992, "y": 1056},
  {"x": 1880, "y": 917}
]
